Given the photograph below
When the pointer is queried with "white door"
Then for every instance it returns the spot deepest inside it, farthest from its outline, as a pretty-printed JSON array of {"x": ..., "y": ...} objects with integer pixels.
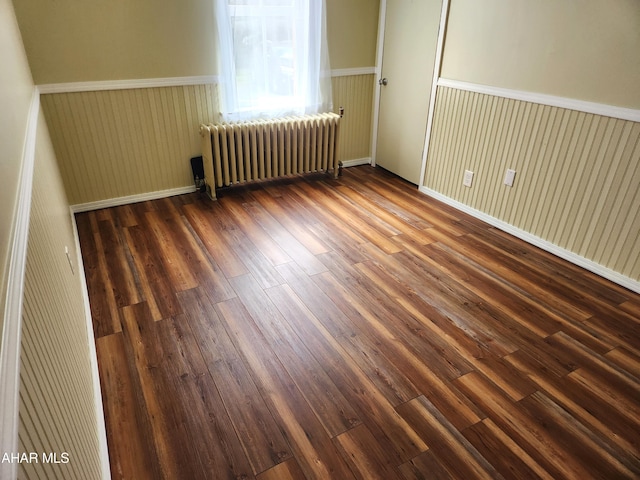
[{"x": 409, "y": 52}]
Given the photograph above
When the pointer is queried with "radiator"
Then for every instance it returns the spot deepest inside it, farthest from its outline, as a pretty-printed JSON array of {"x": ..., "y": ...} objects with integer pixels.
[{"x": 242, "y": 152}]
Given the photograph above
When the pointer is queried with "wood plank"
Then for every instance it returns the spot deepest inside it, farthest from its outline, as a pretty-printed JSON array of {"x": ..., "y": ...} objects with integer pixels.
[
  {"x": 368, "y": 401},
  {"x": 294, "y": 222},
  {"x": 329, "y": 405},
  {"x": 167, "y": 357},
  {"x": 365, "y": 456},
  {"x": 255, "y": 232},
  {"x": 130, "y": 454},
  {"x": 340, "y": 215},
  {"x": 540, "y": 444},
  {"x": 503, "y": 452},
  {"x": 451, "y": 449},
  {"x": 316, "y": 454},
  {"x": 419, "y": 236},
  {"x": 281, "y": 236},
  {"x": 176, "y": 265},
  {"x": 287, "y": 470},
  {"x": 424, "y": 467},
  {"x": 154, "y": 280},
  {"x": 203, "y": 222},
  {"x": 381, "y": 201},
  {"x": 121, "y": 275},
  {"x": 257, "y": 430},
  {"x": 571, "y": 276},
  {"x": 104, "y": 311},
  {"x": 565, "y": 396},
  {"x": 587, "y": 448},
  {"x": 531, "y": 313}
]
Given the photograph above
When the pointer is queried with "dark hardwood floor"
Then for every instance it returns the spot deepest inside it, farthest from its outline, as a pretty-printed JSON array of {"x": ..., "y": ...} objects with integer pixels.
[{"x": 353, "y": 328}]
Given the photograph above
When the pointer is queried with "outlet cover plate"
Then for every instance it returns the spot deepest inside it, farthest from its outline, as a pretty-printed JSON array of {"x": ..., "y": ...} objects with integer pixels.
[
  {"x": 468, "y": 178},
  {"x": 509, "y": 177}
]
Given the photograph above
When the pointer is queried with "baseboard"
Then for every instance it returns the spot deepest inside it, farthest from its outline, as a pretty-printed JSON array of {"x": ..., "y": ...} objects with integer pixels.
[
  {"x": 12, "y": 315},
  {"x": 568, "y": 255},
  {"x": 357, "y": 161},
  {"x": 141, "y": 197},
  {"x": 95, "y": 374}
]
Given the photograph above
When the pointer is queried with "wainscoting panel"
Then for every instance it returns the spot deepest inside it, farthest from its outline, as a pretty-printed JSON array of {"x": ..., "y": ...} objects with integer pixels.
[
  {"x": 577, "y": 180},
  {"x": 355, "y": 94},
  {"x": 117, "y": 143},
  {"x": 57, "y": 401}
]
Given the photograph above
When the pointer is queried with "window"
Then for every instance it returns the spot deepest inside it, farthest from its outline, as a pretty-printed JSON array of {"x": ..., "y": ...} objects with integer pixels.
[{"x": 273, "y": 58}]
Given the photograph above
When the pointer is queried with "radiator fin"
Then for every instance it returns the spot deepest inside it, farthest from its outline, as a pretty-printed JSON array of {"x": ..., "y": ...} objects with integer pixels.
[{"x": 257, "y": 150}]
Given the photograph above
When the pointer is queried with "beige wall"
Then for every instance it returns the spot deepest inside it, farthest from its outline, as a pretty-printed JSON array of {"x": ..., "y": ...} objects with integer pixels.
[
  {"x": 118, "y": 143},
  {"x": 578, "y": 174},
  {"x": 111, "y": 40},
  {"x": 581, "y": 49},
  {"x": 126, "y": 142},
  {"x": 57, "y": 408},
  {"x": 16, "y": 91},
  {"x": 352, "y": 28},
  {"x": 69, "y": 41}
]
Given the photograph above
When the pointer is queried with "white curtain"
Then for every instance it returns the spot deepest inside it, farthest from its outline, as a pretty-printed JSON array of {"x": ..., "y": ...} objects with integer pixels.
[{"x": 273, "y": 58}]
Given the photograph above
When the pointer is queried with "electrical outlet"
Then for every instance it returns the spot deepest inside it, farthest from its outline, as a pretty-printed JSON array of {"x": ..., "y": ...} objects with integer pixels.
[
  {"x": 468, "y": 178},
  {"x": 509, "y": 177}
]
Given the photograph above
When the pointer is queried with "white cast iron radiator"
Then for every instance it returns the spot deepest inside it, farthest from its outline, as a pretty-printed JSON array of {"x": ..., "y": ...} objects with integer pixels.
[{"x": 242, "y": 152}]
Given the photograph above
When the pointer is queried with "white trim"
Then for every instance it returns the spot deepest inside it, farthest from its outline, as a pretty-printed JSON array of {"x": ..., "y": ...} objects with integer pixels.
[
  {"x": 568, "y": 255},
  {"x": 93, "y": 358},
  {"x": 356, "y": 162},
  {"x": 444, "y": 14},
  {"x": 12, "y": 320},
  {"x": 349, "y": 72},
  {"x": 126, "y": 84},
  {"x": 140, "y": 197},
  {"x": 382, "y": 18},
  {"x": 543, "y": 99}
]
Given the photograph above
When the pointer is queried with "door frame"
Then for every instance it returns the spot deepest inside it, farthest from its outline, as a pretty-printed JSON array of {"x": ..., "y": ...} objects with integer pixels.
[{"x": 442, "y": 27}]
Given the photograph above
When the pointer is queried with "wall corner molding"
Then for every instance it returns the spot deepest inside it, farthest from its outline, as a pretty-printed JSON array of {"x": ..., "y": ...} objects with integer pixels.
[
  {"x": 572, "y": 257},
  {"x": 12, "y": 315},
  {"x": 544, "y": 99}
]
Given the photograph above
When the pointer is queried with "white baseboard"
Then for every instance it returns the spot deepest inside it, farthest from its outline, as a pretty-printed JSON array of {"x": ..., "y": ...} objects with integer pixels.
[
  {"x": 357, "y": 161},
  {"x": 12, "y": 316},
  {"x": 568, "y": 255},
  {"x": 95, "y": 374},
  {"x": 141, "y": 197}
]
